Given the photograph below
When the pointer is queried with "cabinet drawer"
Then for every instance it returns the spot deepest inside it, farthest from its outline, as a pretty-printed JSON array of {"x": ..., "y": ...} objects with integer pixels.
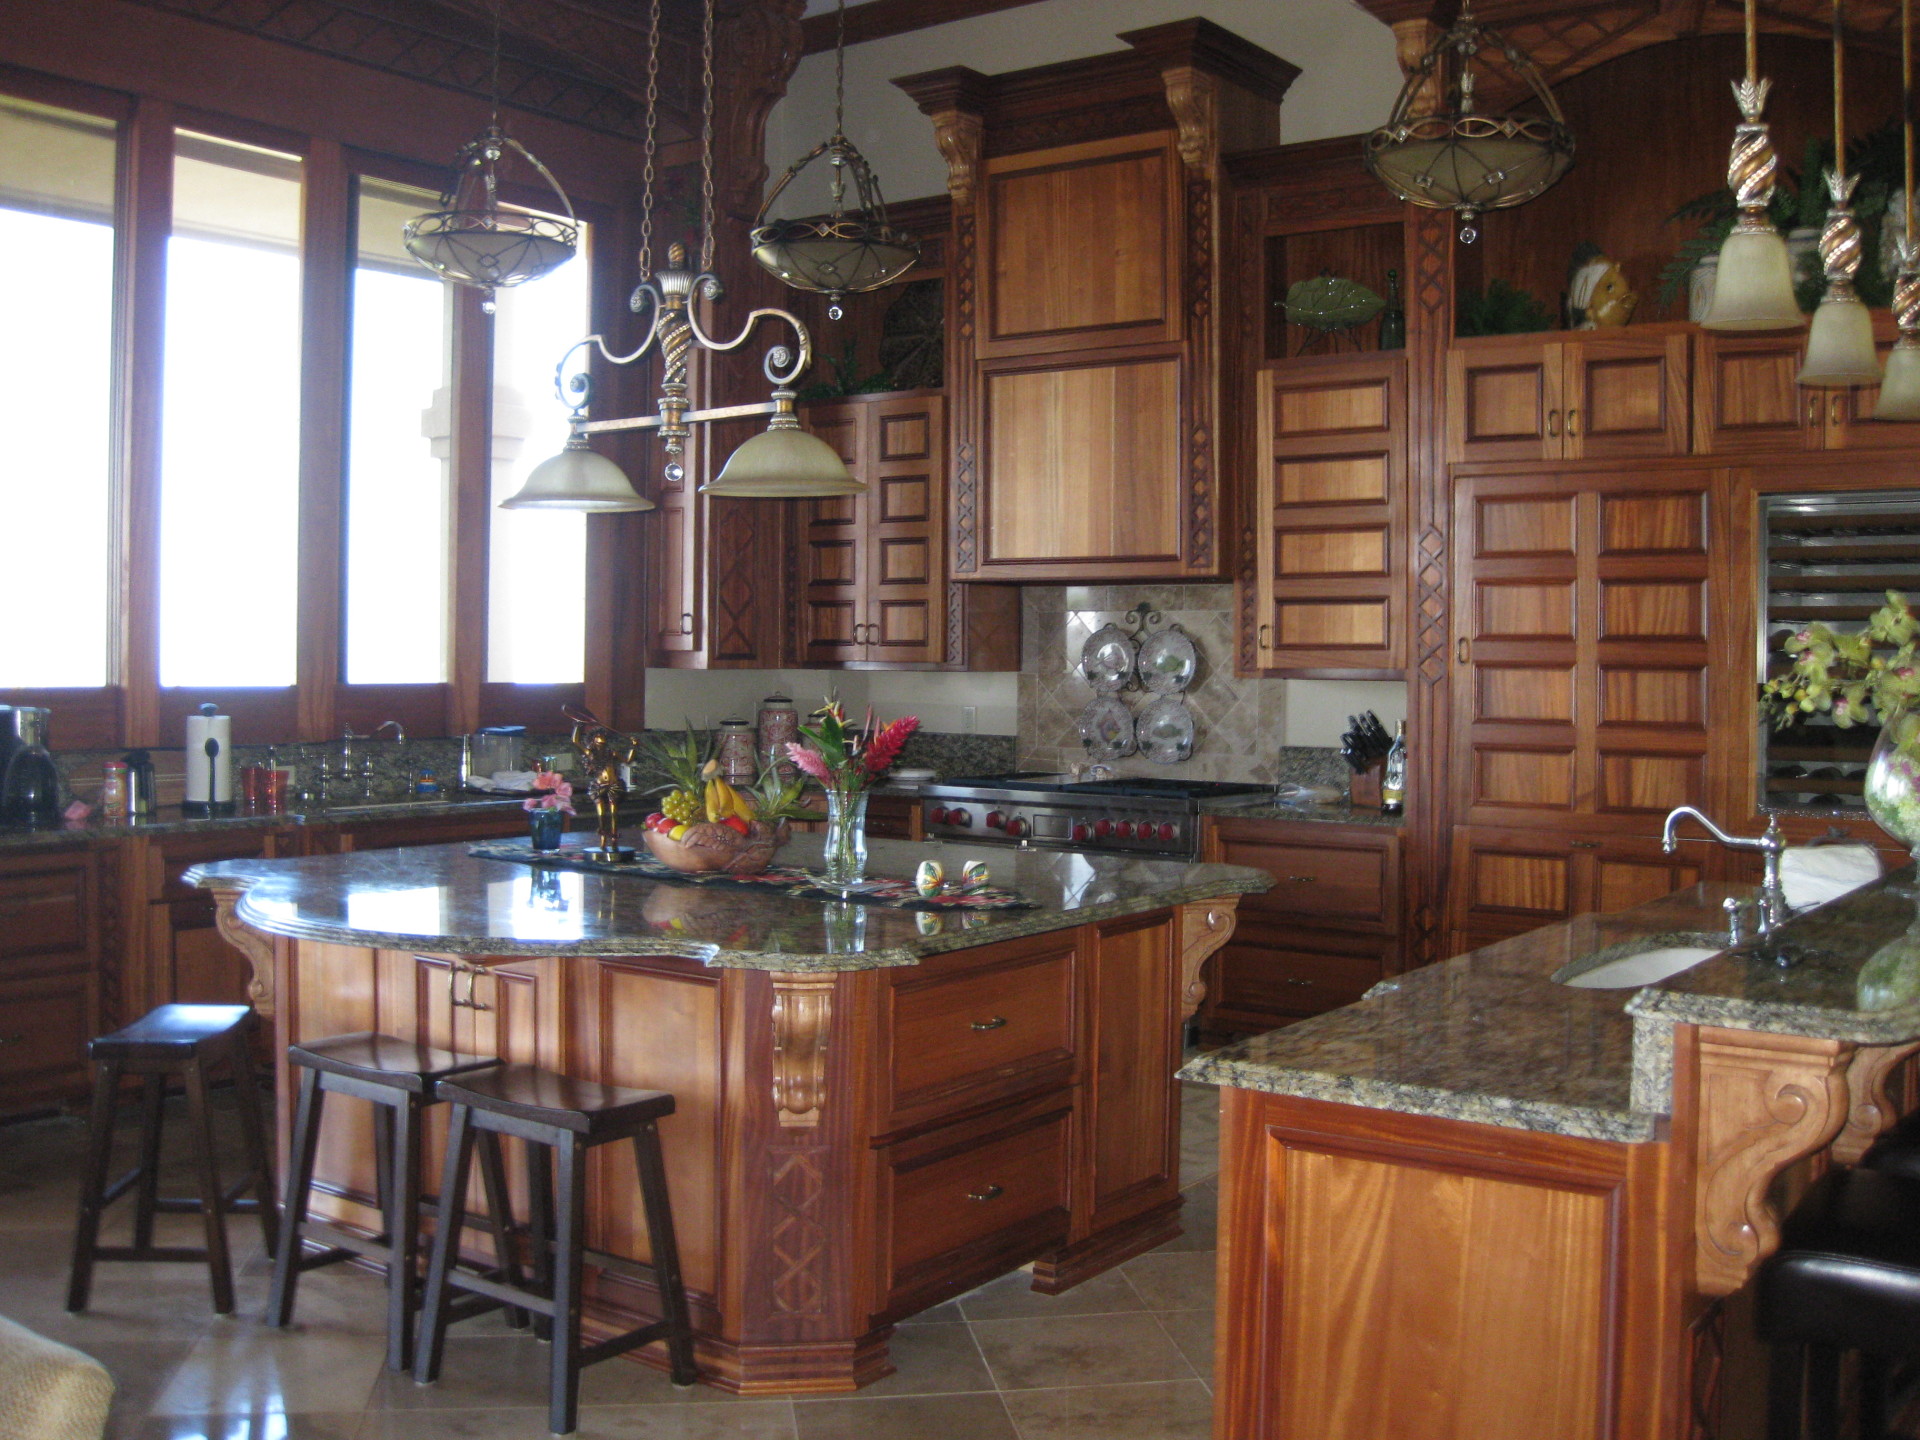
[
  {"x": 43, "y": 911},
  {"x": 45, "y": 1024},
  {"x": 959, "y": 1036},
  {"x": 963, "y": 1200},
  {"x": 1287, "y": 982},
  {"x": 1317, "y": 880}
]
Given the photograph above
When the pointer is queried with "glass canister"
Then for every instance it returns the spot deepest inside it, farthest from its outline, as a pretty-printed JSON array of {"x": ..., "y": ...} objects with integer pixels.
[
  {"x": 779, "y": 723},
  {"x": 734, "y": 749}
]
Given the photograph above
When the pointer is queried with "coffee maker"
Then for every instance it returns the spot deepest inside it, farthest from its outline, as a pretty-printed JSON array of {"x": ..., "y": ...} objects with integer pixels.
[{"x": 29, "y": 783}]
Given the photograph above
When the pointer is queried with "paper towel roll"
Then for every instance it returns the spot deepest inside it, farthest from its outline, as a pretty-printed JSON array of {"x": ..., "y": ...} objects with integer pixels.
[
  {"x": 1814, "y": 874},
  {"x": 209, "y": 785}
]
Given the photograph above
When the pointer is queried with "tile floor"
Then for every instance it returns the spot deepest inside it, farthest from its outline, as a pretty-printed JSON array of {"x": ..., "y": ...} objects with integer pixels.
[{"x": 1128, "y": 1354}]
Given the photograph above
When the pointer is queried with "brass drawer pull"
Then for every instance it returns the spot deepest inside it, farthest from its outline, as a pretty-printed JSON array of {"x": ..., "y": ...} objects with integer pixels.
[
  {"x": 1297, "y": 981},
  {"x": 1586, "y": 844},
  {"x": 1573, "y": 422},
  {"x": 1301, "y": 879},
  {"x": 468, "y": 1001},
  {"x": 992, "y": 1192},
  {"x": 996, "y": 1023},
  {"x": 1462, "y": 650},
  {"x": 1553, "y": 423},
  {"x": 1263, "y": 637}
]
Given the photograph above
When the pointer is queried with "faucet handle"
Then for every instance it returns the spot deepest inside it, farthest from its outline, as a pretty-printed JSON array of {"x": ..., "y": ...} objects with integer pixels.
[{"x": 1736, "y": 911}]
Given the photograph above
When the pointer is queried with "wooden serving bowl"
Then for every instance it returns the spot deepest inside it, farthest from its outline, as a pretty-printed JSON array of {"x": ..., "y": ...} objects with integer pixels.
[{"x": 719, "y": 848}]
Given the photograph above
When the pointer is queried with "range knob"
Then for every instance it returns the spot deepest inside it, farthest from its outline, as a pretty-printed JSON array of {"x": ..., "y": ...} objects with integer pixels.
[
  {"x": 1168, "y": 830},
  {"x": 1126, "y": 829},
  {"x": 960, "y": 817},
  {"x": 1016, "y": 827},
  {"x": 996, "y": 821},
  {"x": 937, "y": 815},
  {"x": 1082, "y": 831},
  {"x": 1103, "y": 828}
]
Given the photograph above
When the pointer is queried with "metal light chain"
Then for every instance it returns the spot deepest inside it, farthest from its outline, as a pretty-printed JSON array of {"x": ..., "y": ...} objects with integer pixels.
[
  {"x": 646, "y": 172},
  {"x": 706, "y": 137},
  {"x": 840, "y": 68}
]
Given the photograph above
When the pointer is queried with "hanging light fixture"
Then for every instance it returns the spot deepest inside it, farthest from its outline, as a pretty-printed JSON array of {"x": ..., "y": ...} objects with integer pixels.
[
  {"x": 1753, "y": 285},
  {"x": 1462, "y": 160},
  {"x": 1840, "y": 345},
  {"x": 1900, "y": 389},
  {"x": 836, "y": 254},
  {"x": 472, "y": 239},
  {"x": 785, "y": 462}
]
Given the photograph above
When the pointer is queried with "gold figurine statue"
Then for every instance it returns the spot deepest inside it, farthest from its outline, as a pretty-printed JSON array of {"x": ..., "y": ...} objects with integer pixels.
[{"x": 603, "y": 750}]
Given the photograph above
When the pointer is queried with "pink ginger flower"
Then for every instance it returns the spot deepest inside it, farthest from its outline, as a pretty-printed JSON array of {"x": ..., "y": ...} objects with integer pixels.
[{"x": 809, "y": 761}]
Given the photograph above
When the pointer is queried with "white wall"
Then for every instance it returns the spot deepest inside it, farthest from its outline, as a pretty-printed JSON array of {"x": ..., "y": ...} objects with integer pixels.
[
  {"x": 1347, "y": 83},
  {"x": 940, "y": 699}
]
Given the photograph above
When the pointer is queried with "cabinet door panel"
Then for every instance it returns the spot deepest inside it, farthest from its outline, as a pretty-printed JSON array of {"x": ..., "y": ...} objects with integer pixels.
[
  {"x": 1746, "y": 400},
  {"x": 45, "y": 1023},
  {"x": 1130, "y": 1073},
  {"x": 1335, "y": 479},
  {"x": 1524, "y": 693},
  {"x": 1304, "y": 411},
  {"x": 40, "y": 911},
  {"x": 1318, "y": 553},
  {"x": 1625, "y": 396},
  {"x": 1650, "y": 784},
  {"x": 1524, "y": 525},
  {"x": 1501, "y": 411},
  {"x": 1528, "y": 778}
]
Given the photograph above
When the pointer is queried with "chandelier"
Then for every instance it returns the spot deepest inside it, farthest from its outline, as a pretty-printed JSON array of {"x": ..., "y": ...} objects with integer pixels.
[
  {"x": 782, "y": 462},
  {"x": 836, "y": 254},
  {"x": 1840, "y": 349},
  {"x": 1460, "y": 159},
  {"x": 1900, "y": 389},
  {"x": 472, "y": 239}
]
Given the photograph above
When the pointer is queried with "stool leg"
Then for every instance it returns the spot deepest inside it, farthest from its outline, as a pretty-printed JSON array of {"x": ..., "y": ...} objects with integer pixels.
[
  {"x": 666, "y": 1252},
  {"x": 1786, "y": 1376},
  {"x": 403, "y": 1235},
  {"x": 293, "y": 1210},
  {"x": 446, "y": 1245},
  {"x": 540, "y": 1228},
  {"x": 253, "y": 1136},
  {"x": 93, "y": 1185},
  {"x": 212, "y": 1197},
  {"x": 1873, "y": 1396},
  {"x": 493, "y": 1181},
  {"x": 383, "y": 1158},
  {"x": 563, "y": 1391},
  {"x": 1823, "y": 1393},
  {"x": 153, "y": 1118}
]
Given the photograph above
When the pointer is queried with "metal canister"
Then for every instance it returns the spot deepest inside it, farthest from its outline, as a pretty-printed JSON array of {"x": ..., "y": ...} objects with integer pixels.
[
  {"x": 733, "y": 748},
  {"x": 779, "y": 723}
]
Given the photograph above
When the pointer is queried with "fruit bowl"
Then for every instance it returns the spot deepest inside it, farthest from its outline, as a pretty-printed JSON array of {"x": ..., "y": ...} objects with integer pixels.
[{"x": 709, "y": 847}]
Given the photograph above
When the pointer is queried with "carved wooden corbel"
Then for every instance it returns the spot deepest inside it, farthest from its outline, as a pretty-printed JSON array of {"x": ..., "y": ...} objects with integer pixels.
[
  {"x": 1764, "y": 1101},
  {"x": 958, "y": 134},
  {"x": 255, "y": 946},
  {"x": 1205, "y": 926},
  {"x": 1411, "y": 40},
  {"x": 1194, "y": 97},
  {"x": 1869, "y": 1108},
  {"x": 802, "y": 1020}
]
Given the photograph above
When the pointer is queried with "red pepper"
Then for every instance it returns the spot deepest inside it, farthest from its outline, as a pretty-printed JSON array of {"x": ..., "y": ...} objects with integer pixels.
[{"x": 734, "y": 822}]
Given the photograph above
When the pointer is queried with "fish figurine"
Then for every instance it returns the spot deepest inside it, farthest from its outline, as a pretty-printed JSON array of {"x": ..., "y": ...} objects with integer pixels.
[
  {"x": 930, "y": 879},
  {"x": 1598, "y": 296}
]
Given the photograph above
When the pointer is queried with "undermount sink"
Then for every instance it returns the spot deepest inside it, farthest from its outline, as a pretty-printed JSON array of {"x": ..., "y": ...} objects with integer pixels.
[{"x": 1646, "y": 960}]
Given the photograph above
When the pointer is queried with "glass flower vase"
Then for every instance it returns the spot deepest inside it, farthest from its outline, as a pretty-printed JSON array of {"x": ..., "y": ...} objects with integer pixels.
[
  {"x": 845, "y": 858},
  {"x": 1893, "y": 778}
]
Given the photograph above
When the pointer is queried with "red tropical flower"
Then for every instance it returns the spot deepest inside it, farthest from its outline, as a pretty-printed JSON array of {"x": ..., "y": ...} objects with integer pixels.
[{"x": 885, "y": 746}]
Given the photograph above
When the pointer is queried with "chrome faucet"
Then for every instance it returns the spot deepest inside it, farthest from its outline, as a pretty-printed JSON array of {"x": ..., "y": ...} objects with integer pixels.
[
  {"x": 400, "y": 742},
  {"x": 1773, "y": 900}
]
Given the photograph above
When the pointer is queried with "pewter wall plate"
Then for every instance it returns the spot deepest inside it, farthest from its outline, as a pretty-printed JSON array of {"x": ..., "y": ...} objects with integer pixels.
[
  {"x": 1167, "y": 661},
  {"x": 1165, "y": 730},
  {"x": 1107, "y": 659},
  {"x": 1106, "y": 728}
]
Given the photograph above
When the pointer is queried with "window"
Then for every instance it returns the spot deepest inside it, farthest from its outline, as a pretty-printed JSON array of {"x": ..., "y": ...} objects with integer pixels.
[
  {"x": 537, "y": 596},
  {"x": 56, "y": 380},
  {"x": 230, "y": 417},
  {"x": 397, "y": 524}
]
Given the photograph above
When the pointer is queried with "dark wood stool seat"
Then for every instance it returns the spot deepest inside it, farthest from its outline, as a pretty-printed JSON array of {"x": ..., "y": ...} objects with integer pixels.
[
  {"x": 567, "y": 1117},
  {"x": 185, "y": 1041},
  {"x": 398, "y": 1076},
  {"x": 1845, "y": 1278}
]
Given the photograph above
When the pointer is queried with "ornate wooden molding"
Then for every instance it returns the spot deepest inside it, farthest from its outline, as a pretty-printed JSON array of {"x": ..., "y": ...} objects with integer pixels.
[
  {"x": 1205, "y": 926},
  {"x": 757, "y": 44},
  {"x": 1870, "y": 1109},
  {"x": 1763, "y": 1101},
  {"x": 802, "y": 1021},
  {"x": 252, "y": 943}
]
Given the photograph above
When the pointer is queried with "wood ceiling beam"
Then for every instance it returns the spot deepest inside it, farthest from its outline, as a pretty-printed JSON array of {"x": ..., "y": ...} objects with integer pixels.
[{"x": 877, "y": 19}]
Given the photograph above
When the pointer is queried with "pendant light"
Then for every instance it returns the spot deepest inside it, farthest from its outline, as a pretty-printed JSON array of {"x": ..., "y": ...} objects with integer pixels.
[
  {"x": 1840, "y": 346},
  {"x": 475, "y": 241},
  {"x": 1753, "y": 286},
  {"x": 1900, "y": 389},
  {"x": 835, "y": 254},
  {"x": 1464, "y": 160},
  {"x": 783, "y": 463}
]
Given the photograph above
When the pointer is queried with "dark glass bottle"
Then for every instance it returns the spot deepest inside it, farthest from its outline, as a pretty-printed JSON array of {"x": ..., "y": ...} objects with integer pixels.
[{"x": 1393, "y": 319}]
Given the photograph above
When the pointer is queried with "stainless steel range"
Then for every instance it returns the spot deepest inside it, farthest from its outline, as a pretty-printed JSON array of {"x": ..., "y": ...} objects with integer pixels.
[{"x": 1056, "y": 812}]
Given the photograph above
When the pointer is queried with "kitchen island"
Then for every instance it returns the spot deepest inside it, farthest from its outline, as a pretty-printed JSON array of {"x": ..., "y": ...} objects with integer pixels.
[
  {"x": 877, "y": 1108},
  {"x": 1485, "y": 1203}
]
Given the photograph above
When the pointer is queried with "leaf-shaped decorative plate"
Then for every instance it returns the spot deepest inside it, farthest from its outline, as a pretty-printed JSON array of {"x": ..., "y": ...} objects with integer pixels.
[{"x": 1327, "y": 302}]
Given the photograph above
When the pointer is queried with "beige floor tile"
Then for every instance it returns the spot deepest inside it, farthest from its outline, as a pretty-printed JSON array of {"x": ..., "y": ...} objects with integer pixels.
[
  {"x": 1197, "y": 1219},
  {"x": 947, "y": 1314},
  {"x": 933, "y": 1360},
  {"x": 1176, "y": 1410},
  {"x": 140, "y": 1371},
  {"x": 1177, "y": 1281},
  {"x": 750, "y": 1420},
  {"x": 262, "y": 1370},
  {"x": 272, "y": 1426},
  {"x": 1013, "y": 1297},
  {"x": 510, "y": 1371},
  {"x": 912, "y": 1417},
  {"x": 1192, "y": 1331},
  {"x": 1079, "y": 1350}
]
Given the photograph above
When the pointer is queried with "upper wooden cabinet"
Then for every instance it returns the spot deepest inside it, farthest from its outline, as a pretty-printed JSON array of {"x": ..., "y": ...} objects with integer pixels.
[
  {"x": 1325, "y": 590},
  {"x": 1085, "y": 342},
  {"x": 1748, "y": 404},
  {"x": 871, "y": 587},
  {"x": 1596, "y": 395}
]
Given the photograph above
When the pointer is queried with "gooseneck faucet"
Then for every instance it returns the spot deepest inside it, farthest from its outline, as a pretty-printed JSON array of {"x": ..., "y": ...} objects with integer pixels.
[{"x": 1773, "y": 899}]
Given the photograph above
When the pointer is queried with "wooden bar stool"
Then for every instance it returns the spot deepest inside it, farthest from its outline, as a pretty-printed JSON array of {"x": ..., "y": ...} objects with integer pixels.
[
  {"x": 555, "y": 1113},
  {"x": 187, "y": 1041},
  {"x": 398, "y": 1076}
]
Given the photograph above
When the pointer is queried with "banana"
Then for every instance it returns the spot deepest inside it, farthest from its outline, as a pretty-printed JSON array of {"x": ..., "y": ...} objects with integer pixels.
[
  {"x": 715, "y": 800},
  {"x": 722, "y": 800}
]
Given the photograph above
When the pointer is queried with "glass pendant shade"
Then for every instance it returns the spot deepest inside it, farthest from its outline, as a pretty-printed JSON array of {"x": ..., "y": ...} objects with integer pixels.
[
  {"x": 782, "y": 465},
  {"x": 473, "y": 240},
  {"x": 841, "y": 253},
  {"x": 1753, "y": 289},
  {"x": 1840, "y": 346},
  {"x": 577, "y": 479},
  {"x": 1900, "y": 386}
]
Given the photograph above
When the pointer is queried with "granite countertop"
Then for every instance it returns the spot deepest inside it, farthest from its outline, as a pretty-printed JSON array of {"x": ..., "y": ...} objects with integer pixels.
[
  {"x": 440, "y": 899},
  {"x": 1490, "y": 1037},
  {"x": 171, "y": 821},
  {"x": 1262, "y": 807}
]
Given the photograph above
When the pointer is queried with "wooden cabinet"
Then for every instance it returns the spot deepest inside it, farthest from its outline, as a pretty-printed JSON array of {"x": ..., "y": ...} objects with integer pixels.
[
  {"x": 1748, "y": 404},
  {"x": 183, "y": 958},
  {"x": 1085, "y": 341},
  {"x": 1595, "y": 395},
  {"x": 1327, "y": 932},
  {"x": 1326, "y": 591},
  {"x": 50, "y": 1001}
]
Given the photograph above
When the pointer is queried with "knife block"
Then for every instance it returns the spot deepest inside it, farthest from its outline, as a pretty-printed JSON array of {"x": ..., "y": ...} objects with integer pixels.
[{"x": 1363, "y": 787}]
